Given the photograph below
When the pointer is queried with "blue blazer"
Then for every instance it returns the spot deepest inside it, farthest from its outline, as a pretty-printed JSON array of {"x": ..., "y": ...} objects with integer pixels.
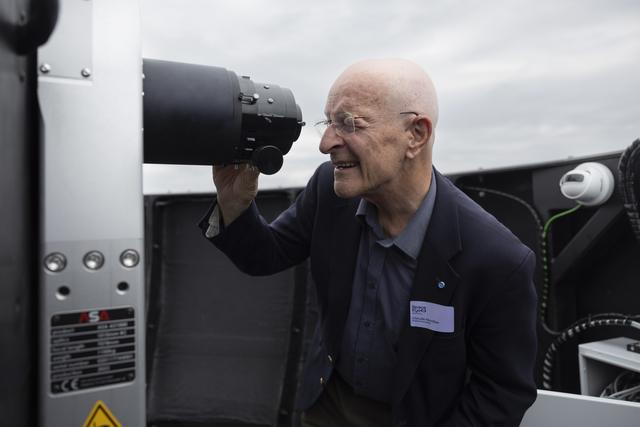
[{"x": 481, "y": 374}]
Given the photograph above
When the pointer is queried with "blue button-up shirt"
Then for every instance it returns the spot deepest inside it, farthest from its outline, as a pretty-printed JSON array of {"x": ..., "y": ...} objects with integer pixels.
[{"x": 380, "y": 299}]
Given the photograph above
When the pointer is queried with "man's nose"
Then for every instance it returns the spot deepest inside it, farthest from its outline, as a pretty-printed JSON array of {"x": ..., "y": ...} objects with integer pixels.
[{"x": 330, "y": 140}]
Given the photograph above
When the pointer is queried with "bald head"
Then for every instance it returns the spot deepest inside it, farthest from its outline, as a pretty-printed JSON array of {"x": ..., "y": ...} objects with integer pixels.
[
  {"x": 392, "y": 84},
  {"x": 379, "y": 151}
]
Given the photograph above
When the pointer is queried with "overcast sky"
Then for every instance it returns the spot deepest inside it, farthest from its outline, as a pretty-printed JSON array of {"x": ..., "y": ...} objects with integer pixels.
[{"x": 518, "y": 81}]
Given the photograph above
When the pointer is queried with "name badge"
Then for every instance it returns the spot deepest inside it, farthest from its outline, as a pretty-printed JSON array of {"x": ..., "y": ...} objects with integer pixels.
[{"x": 436, "y": 317}]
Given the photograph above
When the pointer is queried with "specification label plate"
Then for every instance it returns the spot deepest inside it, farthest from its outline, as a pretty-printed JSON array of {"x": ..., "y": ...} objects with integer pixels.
[{"x": 92, "y": 349}]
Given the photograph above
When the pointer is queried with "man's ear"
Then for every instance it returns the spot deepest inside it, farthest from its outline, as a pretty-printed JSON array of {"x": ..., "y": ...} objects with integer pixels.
[
  {"x": 422, "y": 128},
  {"x": 421, "y": 131}
]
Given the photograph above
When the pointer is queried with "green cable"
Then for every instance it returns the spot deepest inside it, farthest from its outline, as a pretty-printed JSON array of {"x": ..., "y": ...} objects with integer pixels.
[
  {"x": 546, "y": 268},
  {"x": 556, "y": 216}
]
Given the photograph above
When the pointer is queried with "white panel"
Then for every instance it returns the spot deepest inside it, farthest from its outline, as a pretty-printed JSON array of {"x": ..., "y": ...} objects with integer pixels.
[
  {"x": 92, "y": 200},
  {"x": 92, "y": 133},
  {"x": 68, "y": 53},
  {"x": 601, "y": 361},
  {"x": 571, "y": 410}
]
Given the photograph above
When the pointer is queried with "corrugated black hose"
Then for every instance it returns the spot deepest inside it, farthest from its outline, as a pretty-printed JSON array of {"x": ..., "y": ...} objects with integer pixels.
[{"x": 627, "y": 176}]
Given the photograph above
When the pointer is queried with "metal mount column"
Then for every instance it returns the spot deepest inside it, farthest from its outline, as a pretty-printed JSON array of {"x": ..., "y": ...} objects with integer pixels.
[{"x": 91, "y": 266}]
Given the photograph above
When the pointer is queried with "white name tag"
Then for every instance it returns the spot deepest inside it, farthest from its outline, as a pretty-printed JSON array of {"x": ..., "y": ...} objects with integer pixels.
[{"x": 432, "y": 316}]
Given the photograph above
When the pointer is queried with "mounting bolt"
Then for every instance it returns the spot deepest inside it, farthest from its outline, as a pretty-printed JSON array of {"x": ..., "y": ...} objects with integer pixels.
[
  {"x": 45, "y": 68},
  {"x": 55, "y": 262},
  {"x": 270, "y": 101},
  {"x": 86, "y": 72}
]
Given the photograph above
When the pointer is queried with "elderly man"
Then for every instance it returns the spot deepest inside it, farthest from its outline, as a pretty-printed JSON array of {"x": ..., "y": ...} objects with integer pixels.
[{"x": 427, "y": 302}]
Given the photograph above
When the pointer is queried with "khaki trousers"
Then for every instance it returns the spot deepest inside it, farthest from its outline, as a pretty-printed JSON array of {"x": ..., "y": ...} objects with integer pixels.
[{"x": 339, "y": 406}]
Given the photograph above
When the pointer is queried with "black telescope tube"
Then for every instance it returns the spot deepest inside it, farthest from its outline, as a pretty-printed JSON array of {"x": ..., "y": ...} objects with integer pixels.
[{"x": 202, "y": 115}]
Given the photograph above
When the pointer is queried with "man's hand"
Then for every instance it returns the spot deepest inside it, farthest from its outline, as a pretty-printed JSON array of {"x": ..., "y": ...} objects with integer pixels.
[{"x": 237, "y": 186}]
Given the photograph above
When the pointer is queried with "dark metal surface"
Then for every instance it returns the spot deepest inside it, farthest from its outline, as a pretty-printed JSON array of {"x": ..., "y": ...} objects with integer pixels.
[
  {"x": 26, "y": 24},
  {"x": 36, "y": 25},
  {"x": 19, "y": 167},
  {"x": 588, "y": 237}
]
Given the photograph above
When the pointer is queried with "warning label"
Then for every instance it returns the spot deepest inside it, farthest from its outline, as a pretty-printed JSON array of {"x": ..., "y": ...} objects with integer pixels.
[
  {"x": 92, "y": 349},
  {"x": 100, "y": 416}
]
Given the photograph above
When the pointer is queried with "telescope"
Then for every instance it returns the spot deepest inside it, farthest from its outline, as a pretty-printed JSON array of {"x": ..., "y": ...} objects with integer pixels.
[{"x": 202, "y": 115}]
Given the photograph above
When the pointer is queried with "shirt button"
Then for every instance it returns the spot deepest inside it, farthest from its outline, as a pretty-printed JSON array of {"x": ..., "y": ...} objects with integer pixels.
[
  {"x": 367, "y": 323},
  {"x": 321, "y": 380},
  {"x": 360, "y": 359}
]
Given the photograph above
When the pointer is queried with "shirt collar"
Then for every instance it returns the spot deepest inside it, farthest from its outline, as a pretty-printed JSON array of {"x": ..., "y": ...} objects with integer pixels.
[{"x": 411, "y": 238}]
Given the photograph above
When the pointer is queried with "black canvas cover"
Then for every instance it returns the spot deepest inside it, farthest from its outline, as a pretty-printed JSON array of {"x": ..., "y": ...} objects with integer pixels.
[{"x": 223, "y": 346}]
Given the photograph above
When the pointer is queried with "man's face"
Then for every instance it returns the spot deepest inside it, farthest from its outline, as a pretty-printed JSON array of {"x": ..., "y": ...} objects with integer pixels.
[{"x": 367, "y": 162}]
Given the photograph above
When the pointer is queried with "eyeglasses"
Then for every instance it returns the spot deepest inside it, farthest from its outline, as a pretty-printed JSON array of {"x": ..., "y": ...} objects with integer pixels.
[{"x": 345, "y": 123}]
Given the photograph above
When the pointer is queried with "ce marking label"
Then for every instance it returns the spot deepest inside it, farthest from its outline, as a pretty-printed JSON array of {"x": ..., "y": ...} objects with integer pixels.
[{"x": 69, "y": 385}]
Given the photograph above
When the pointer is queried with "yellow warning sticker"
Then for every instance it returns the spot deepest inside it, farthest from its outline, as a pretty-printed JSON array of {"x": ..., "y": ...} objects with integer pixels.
[{"x": 101, "y": 416}]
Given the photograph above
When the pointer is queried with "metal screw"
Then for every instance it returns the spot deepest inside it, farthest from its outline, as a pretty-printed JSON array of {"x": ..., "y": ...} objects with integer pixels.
[
  {"x": 55, "y": 262},
  {"x": 93, "y": 260},
  {"x": 266, "y": 86},
  {"x": 255, "y": 96},
  {"x": 85, "y": 72},
  {"x": 45, "y": 68},
  {"x": 129, "y": 258},
  {"x": 270, "y": 101}
]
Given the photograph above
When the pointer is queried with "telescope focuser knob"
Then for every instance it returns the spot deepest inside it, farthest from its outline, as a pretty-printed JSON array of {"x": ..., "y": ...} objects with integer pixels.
[{"x": 268, "y": 159}]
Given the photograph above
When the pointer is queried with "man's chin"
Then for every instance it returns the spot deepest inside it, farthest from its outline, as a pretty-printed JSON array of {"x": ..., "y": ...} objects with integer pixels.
[{"x": 345, "y": 191}]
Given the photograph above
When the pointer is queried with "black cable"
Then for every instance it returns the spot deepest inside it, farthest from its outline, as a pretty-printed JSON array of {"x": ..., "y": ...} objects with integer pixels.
[
  {"x": 625, "y": 386},
  {"x": 575, "y": 330},
  {"x": 603, "y": 316},
  {"x": 629, "y": 161},
  {"x": 546, "y": 265},
  {"x": 542, "y": 247},
  {"x": 523, "y": 202}
]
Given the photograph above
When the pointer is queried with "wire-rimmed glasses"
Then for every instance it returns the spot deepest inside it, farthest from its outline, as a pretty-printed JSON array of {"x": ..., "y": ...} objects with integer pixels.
[{"x": 344, "y": 123}]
